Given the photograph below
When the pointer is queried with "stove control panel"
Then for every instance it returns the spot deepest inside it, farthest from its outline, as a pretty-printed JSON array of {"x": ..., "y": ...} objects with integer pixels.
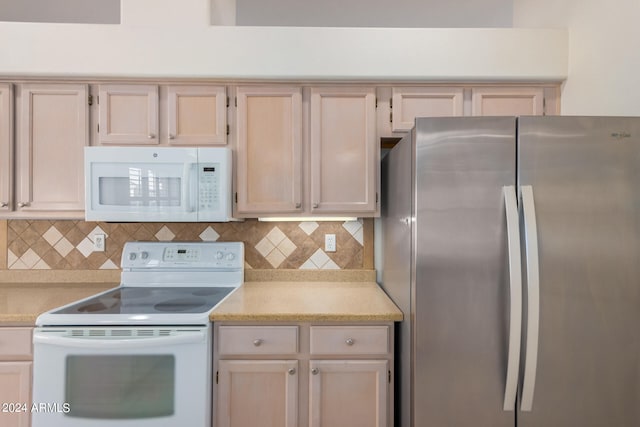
[{"x": 203, "y": 255}]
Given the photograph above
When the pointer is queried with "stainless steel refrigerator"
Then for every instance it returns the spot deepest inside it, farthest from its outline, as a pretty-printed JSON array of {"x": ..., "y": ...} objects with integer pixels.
[{"x": 513, "y": 247}]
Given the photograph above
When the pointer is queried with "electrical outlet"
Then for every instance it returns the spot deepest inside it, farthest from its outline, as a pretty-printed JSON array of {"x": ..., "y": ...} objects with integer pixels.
[
  {"x": 330, "y": 242},
  {"x": 98, "y": 242}
]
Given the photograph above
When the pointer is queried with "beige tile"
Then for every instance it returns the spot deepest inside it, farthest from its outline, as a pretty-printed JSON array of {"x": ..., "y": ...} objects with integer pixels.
[
  {"x": 287, "y": 247},
  {"x": 52, "y": 235},
  {"x": 264, "y": 247},
  {"x": 63, "y": 247},
  {"x": 275, "y": 258},
  {"x": 30, "y": 258},
  {"x": 164, "y": 235}
]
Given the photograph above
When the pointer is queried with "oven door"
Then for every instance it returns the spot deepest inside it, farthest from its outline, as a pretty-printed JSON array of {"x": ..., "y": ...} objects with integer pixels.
[
  {"x": 122, "y": 376},
  {"x": 141, "y": 184}
]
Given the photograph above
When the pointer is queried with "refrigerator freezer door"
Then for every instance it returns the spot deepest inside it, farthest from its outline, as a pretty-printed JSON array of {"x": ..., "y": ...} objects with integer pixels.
[
  {"x": 461, "y": 281},
  {"x": 584, "y": 173}
]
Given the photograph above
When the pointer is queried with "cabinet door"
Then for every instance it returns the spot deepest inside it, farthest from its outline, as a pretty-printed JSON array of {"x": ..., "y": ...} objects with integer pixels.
[
  {"x": 507, "y": 101},
  {"x": 344, "y": 151},
  {"x": 350, "y": 393},
  {"x": 128, "y": 114},
  {"x": 50, "y": 149},
  {"x": 411, "y": 102},
  {"x": 197, "y": 115},
  {"x": 257, "y": 393},
  {"x": 269, "y": 170},
  {"x": 6, "y": 146},
  {"x": 15, "y": 391}
]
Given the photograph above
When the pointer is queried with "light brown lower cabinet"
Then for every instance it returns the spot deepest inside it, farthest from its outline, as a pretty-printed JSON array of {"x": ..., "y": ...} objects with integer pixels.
[
  {"x": 303, "y": 375},
  {"x": 15, "y": 376}
]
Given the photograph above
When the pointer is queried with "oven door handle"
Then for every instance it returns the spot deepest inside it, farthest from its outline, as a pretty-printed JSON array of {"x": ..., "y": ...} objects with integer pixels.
[{"x": 184, "y": 337}]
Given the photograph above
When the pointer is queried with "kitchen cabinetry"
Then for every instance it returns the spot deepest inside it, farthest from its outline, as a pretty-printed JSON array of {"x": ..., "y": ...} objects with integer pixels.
[
  {"x": 507, "y": 101},
  {"x": 281, "y": 172},
  {"x": 191, "y": 114},
  {"x": 6, "y": 146},
  {"x": 407, "y": 103},
  {"x": 128, "y": 114},
  {"x": 269, "y": 150},
  {"x": 398, "y": 106},
  {"x": 308, "y": 375},
  {"x": 196, "y": 115},
  {"x": 345, "y": 155},
  {"x": 51, "y": 135},
  {"x": 15, "y": 376}
]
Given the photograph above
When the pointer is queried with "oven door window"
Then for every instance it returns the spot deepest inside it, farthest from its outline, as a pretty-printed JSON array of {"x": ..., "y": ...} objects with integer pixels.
[{"x": 120, "y": 387}]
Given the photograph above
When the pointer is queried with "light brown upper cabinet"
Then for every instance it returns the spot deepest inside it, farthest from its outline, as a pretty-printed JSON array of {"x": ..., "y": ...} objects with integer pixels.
[
  {"x": 407, "y": 103},
  {"x": 128, "y": 114},
  {"x": 344, "y": 151},
  {"x": 53, "y": 130},
  {"x": 6, "y": 146},
  {"x": 197, "y": 115},
  {"x": 269, "y": 151},
  {"x": 507, "y": 101}
]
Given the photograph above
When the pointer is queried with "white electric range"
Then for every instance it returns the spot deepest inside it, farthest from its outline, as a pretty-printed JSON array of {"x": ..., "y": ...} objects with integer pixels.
[{"x": 139, "y": 354}]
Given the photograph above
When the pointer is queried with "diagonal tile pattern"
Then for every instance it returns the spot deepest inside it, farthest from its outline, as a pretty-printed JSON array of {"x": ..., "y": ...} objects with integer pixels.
[{"x": 60, "y": 245}]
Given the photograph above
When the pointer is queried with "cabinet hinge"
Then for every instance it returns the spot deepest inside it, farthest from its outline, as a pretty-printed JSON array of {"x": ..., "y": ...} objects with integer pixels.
[
  {"x": 227, "y": 129},
  {"x": 98, "y": 99},
  {"x": 544, "y": 106},
  {"x": 236, "y": 197},
  {"x": 217, "y": 376},
  {"x": 90, "y": 100},
  {"x": 391, "y": 116},
  {"x": 98, "y": 127},
  {"x": 376, "y": 198},
  {"x": 376, "y": 102},
  {"x": 236, "y": 101},
  {"x": 389, "y": 377},
  {"x": 227, "y": 102}
]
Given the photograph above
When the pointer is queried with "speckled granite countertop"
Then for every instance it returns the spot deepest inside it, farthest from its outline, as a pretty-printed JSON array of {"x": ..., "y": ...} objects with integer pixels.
[
  {"x": 307, "y": 302},
  {"x": 267, "y": 295}
]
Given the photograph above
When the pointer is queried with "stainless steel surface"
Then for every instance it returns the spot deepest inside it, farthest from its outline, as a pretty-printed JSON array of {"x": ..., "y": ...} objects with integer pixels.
[
  {"x": 257, "y": 342},
  {"x": 459, "y": 281},
  {"x": 533, "y": 296},
  {"x": 585, "y": 175},
  {"x": 397, "y": 187},
  {"x": 515, "y": 297}
]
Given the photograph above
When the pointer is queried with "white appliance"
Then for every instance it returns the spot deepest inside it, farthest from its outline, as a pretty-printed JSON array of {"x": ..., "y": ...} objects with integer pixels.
[
  {"x": 139, "y": 354},
  {"x": 159, "y": 184}
]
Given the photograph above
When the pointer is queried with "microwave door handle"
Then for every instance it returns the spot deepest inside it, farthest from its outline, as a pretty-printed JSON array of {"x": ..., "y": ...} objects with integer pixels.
[
  {"x": 191, "y": 188},
  {"x": 120, "y": 343},
  {"x": 515, "y": 292}
]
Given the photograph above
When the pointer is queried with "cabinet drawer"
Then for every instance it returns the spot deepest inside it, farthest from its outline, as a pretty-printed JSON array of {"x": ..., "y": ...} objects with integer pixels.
[
  {"x": 15, "y": 344},
  {"x": 258, "y": 340},
  {"x": 349, "y": 340}
]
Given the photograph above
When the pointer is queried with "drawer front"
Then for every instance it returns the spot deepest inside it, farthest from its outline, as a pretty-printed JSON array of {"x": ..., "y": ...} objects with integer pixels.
[
  {"x": 15, "y": 344},
  {"x": 252, "y": 340},
  {"x": 329, "y": 340}
]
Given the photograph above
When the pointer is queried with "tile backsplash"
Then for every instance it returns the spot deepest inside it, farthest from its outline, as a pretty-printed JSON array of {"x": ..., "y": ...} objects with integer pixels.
[{"x": 68, "y": 245}]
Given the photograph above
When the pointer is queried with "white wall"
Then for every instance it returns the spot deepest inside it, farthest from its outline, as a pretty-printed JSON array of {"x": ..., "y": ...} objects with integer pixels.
[
  {"x": 377, "y": 13},
  {"x": 604, "y": 51},
  {"x": 94, "y": 11},
  {"x": 165, "y": 38}
]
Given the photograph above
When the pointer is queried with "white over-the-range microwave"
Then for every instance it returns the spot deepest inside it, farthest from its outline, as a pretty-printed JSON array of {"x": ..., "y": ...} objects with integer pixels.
[{"x": 157, "y": 184}]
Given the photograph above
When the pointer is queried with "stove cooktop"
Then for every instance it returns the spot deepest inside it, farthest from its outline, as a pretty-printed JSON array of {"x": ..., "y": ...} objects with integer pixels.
[{"x": 149, "y": 300}]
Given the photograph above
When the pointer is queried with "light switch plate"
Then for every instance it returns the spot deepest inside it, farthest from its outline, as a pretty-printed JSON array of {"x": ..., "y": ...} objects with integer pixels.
[{"x": 329, "y": 242}]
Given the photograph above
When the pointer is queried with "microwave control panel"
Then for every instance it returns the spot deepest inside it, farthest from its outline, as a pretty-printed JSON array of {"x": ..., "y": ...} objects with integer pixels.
[{"x": 209, "y": 187}]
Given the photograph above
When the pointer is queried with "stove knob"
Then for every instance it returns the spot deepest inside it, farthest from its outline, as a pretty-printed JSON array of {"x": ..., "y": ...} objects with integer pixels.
[
  {"x": 219, "y": 255},
  {"x": 132, "y": 256},
  {"x": 230, "y": 256},
  {"x": 144, "y": 255}
]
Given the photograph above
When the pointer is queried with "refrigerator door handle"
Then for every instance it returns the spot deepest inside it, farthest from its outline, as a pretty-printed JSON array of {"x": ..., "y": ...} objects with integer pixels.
[
  {"x": 515, "y": 291},
  {"x": 533, "y": 297}
]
